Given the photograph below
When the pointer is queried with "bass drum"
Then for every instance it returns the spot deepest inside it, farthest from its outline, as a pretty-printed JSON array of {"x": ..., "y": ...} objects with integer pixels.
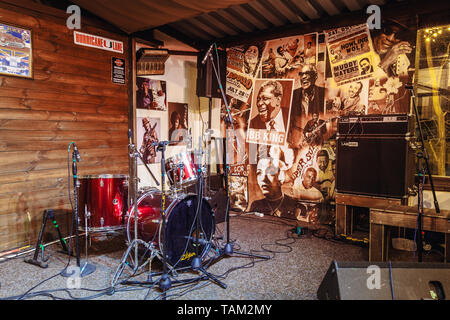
[{"x": 181, "y": 227}]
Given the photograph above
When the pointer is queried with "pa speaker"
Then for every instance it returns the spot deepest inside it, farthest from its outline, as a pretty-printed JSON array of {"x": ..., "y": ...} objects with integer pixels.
[
  {"x": 374, "y": 165},
  {"x": 385, "y": 281},
  {"x": 207, "y": 83}
]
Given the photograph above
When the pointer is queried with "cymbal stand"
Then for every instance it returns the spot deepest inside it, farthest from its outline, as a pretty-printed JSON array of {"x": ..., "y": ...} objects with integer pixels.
[
  {"x": 135, "y": 155},
  {"x": 228, "y": 248}
]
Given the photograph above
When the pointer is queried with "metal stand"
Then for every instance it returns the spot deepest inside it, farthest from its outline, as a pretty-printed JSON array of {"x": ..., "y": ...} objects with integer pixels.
[
  {"x": 197, "y": 260},
  {"x": 87, "y": 268},
  {"x": 228, "y": 248},
  {"x": 48, "y": 214},
  {"x": 421, "y": 171},
  {"x": 134, "y": 154}
]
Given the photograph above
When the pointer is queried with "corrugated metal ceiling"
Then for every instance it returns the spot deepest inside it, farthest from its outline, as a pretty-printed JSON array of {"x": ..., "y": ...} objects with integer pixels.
[{"x": 198, "y": 23}]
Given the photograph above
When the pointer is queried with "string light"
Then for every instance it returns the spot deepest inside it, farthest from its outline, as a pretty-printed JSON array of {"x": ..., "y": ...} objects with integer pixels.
[{"x": 431, "y": 34}]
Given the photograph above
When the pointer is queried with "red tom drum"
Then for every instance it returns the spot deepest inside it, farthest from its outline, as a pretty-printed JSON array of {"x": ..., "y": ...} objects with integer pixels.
[
  {"x": 104, "y": 200},
  {"x": 181, "y": 228},
  {"x": 181, "y": 169}
]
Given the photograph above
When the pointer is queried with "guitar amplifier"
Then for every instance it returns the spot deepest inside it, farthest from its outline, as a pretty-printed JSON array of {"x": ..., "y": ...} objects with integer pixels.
[
  {"x": 374, "y": 156},
  {"x": 393, "y": 124}
]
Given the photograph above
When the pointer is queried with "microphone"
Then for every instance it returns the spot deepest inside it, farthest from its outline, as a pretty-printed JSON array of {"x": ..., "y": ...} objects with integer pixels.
[
  {"x": 200, "y": 240},
  {"x": 409, "y": 86},
  {"x": 130, "y": 137},
  {"x": 207, "y": 53},
  {"x": 77, "y": 154}
]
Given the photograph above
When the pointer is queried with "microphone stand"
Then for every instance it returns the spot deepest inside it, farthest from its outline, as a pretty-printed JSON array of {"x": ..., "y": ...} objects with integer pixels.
[
  {"x": 196, "y": 263},
  {"x": 228, "y": 249},
  {"x": 164, "y": 283},
  {"x": 87, "y": 268},
  {"x": 422, "y": 155}
]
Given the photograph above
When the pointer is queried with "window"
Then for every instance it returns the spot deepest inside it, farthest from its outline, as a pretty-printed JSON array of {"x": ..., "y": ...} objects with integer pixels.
[{"x": 432, "y": 84}]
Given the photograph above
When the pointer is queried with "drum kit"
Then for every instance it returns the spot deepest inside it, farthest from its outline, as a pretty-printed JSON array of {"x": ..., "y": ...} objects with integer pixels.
[{"x": 175, "y": 226}]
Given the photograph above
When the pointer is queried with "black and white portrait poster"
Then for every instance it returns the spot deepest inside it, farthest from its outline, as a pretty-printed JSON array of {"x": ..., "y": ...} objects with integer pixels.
[{"x": 270, "y": 110}]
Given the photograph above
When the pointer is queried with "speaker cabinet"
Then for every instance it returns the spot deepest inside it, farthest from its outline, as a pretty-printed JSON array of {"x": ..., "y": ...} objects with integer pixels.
[
  {"x": 374, "y": 165},
  {"x": 384, "y": 281},
  {"x": 207, "y": 84}
]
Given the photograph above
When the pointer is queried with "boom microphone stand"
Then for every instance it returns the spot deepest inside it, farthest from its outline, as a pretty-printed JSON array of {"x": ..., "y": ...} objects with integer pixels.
[
  {"x": 228, "y": 249},
  {"x": 422, "y": 155},
  {"x": 196, "y": 263}
]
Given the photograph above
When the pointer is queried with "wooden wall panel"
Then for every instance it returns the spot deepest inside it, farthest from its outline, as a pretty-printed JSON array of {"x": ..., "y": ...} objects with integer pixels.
[{"x": 70, "y": 99}]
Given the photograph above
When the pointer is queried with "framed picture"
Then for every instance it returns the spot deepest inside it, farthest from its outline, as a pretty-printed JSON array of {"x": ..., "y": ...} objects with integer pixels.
[
  {"x": 178, "y": 122},
  {"x": 151, "y": 94},
  {"x": 148, "y": 132},
  {"x": 16, "y": 51}
]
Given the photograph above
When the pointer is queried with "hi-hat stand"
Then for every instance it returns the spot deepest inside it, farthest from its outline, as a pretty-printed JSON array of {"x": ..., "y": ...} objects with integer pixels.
[
  {"x": 87, "y": 268},
  {"x": 228, "y": 249},
  {"x": 421, "y": 172}
]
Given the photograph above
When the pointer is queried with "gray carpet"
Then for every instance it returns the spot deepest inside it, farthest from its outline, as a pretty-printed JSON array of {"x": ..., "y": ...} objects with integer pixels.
[{"x": 294, "y": 270}]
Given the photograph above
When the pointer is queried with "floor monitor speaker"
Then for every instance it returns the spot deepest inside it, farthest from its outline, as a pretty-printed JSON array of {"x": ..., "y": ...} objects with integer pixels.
[{"x": 385, "y": 281}]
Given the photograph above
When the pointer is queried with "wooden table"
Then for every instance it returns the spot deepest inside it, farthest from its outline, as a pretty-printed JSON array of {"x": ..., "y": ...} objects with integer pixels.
[
  {"x": 406, "y": 217},
  {"x": 344, "y": 213}
]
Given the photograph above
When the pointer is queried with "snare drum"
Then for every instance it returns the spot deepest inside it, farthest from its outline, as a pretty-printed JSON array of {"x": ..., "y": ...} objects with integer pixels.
[
  {"x": 103, "y": 199},
  {"x": 180, "y": 226},
  {"x": 181, "y": 169}
]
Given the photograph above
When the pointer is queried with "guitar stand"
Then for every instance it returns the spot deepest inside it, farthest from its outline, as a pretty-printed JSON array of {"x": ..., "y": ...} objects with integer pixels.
[{"x": 48, "y": 214}]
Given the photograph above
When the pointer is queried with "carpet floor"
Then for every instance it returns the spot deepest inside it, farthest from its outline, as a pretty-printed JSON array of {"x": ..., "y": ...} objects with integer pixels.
[{"x": 269, "y": 262}]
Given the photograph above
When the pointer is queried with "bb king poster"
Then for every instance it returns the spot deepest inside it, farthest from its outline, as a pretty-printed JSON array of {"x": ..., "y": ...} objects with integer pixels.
[{"x": 270, "y": 110}]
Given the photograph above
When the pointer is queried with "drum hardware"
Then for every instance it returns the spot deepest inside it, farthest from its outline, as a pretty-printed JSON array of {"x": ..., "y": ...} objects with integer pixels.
[
  {"x": 135, "y": 155},
  {"x": 87, "y": 268}
]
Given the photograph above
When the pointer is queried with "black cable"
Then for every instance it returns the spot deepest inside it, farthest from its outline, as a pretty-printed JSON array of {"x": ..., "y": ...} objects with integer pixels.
[
  {"x": 390, "y": 281},
  {"x": 71, "y": 230}
]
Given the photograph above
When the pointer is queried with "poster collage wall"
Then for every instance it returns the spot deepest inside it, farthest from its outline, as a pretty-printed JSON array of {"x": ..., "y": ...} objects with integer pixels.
[{"x": 286, "y": 95}]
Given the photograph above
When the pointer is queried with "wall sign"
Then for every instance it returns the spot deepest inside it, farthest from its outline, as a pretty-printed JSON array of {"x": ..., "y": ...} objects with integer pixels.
[
  {"x": 118, "y": 70},
  {"x": 15, "y": 51},
  {"x": 93, "y": 41}
]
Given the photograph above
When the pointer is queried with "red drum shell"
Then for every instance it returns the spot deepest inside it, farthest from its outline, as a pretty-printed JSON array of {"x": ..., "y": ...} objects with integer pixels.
[
  {"x": 105, "y": 197},
  {"x": 185, "y": 177}
]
